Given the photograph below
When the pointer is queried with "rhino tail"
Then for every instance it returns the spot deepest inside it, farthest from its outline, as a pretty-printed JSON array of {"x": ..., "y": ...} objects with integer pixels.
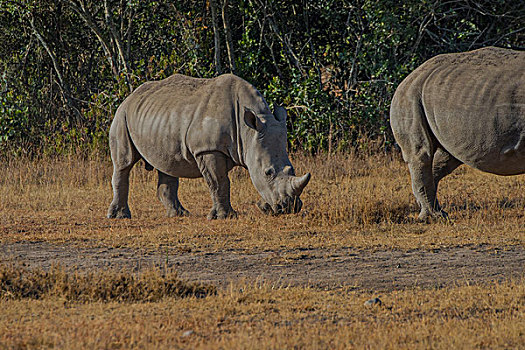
[
  {"x": 147, "y": 165},
  {"x": 123, "y": 152},
  {"x": 408, "y": 120}
]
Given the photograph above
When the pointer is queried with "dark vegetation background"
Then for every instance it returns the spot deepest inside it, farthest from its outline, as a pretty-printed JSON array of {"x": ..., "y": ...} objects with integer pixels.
[{"x": 65, "y": 65}]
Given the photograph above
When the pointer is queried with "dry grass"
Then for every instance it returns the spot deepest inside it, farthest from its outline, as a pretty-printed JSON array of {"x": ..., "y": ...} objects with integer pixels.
[
  {"x": 17, "y": 282},
  {"x": 262, "y": 317},
  {"x": 361, "y": 203},
  {"x": 351, "y": 202}
]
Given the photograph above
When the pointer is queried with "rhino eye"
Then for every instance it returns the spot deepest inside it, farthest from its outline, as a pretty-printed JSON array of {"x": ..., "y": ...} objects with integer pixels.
[{"x": 269, "y": 171}]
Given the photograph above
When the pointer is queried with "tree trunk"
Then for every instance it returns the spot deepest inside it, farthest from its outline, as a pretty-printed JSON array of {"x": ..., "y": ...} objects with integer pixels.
[
  {"x": 228, "y": 34},
  {"x": 216, "y": 36}
]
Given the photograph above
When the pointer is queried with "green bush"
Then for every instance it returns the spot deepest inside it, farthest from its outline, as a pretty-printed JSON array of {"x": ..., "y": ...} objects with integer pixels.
[{"x": 334, "y": 64}]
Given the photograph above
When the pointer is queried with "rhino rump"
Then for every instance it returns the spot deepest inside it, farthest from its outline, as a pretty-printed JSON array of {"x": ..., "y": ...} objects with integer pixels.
[{"x": 470, "y": 104}]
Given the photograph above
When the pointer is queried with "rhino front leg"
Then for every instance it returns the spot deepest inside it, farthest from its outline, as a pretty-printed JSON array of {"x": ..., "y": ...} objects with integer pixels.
[
  {"x": 214, "y": 168},
  {"x": 424, "y": 188},
  {"x": 167, "y": 192}
]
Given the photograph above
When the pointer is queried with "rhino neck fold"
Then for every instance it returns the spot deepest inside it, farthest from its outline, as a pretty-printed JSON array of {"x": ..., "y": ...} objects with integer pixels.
[
  {"x": 241, "y": 145},
  {"x": 237, "y": 144},
  {"x": 242, "y": 135}
]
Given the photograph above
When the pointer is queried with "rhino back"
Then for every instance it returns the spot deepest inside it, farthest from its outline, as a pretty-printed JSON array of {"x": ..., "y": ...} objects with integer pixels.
[
  {"x": 474, "y": 104},
  {"x": 172, "y": 120}
]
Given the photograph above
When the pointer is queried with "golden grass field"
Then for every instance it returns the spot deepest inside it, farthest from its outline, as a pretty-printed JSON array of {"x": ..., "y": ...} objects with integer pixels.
[{"x": 358, "y": 205}]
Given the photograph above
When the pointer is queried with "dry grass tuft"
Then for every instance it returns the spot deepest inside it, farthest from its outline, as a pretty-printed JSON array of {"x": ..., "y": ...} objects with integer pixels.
[
  {"x": 262, "y": 316},
  {"x": 17, "y": 282}
]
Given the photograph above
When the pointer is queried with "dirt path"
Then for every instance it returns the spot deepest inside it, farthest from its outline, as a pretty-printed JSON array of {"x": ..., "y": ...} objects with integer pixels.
[{"x": 366, "y": 270}]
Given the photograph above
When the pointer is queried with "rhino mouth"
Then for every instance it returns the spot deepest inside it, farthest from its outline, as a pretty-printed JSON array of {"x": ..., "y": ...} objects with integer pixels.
[{"x": 288, "y": 205}]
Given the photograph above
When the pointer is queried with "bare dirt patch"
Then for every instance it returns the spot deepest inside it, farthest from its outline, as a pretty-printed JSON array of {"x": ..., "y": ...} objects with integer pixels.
[{"x": 378, "y": 270}]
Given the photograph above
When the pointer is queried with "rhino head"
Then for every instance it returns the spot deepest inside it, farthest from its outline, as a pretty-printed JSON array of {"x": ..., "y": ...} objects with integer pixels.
[{"x": 267, "y": 161}]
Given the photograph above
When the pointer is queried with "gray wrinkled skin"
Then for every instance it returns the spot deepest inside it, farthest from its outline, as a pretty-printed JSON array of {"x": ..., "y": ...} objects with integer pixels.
[
  {"x": 464, "y": 108},
  {"x": 188, "y": 127}
]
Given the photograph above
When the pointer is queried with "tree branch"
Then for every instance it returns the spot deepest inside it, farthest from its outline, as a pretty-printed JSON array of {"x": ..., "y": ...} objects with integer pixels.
[
  {"x": 64, "y": 87},
  {"x": 285, "y": 42},
  {"x": 86, "y": 16},
  {"x": 118, "y": 43},
  {"x": 228, "y": 34}
]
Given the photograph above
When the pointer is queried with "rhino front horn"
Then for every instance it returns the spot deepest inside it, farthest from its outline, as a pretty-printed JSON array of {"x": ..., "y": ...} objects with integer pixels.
[{"x": 299, "y": 183}]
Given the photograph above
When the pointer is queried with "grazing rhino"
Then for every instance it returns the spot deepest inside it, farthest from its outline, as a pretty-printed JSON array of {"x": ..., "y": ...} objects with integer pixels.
[
  {"x": 462, "y": 108},
  {"x": 188, "y": 127}
]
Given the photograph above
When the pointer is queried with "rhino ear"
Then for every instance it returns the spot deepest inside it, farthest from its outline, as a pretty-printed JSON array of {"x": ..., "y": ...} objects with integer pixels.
[
  {"x": 253, "y": 121},
  {"x": 280, "y": 113}
]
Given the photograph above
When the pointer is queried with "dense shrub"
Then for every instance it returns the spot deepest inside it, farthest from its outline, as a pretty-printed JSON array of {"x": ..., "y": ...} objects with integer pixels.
[{"x": 67, "y": 64}]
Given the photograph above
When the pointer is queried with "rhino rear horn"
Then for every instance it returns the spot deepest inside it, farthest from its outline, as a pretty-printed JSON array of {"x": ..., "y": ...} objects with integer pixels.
[{"x": 299, "y": 183}]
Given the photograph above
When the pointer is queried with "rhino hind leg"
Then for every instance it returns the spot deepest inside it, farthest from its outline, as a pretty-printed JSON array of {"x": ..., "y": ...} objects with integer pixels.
[
  {"x": 167, "y": 192},
  {"x": 427, "y": 165},
  {"x": 214, "y": 168},
  {"x": 119, "y": 209},
  {"x": 124, "y": 155},
  {"x": 419, "y": 147},
  {"x": 443, "y": 164},
  {"x": 424, "y": 188}
]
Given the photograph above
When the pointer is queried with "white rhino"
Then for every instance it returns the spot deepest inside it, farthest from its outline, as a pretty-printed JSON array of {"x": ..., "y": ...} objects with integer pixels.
[
  {"x": 189, "y": 127},
  {"x": 462, "y": 108}
]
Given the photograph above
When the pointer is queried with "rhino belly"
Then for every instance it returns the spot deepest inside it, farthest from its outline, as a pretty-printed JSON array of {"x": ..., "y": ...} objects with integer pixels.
[
  {"x": 493, "y": 142},
  {"x": 159, "y": 136},
  {"x": 478, "y": 115}
]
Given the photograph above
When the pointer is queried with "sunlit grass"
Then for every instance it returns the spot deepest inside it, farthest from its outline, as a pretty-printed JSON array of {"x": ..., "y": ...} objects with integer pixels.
[
  {"x": 261, "y": 316},
  {"x": 351, "y": 202}
]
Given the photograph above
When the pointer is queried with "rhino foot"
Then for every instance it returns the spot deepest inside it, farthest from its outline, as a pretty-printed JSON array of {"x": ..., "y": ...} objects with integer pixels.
[
  {"x": 264, "y": 207},
  {"x": 287, "y": 206},
  {"x": 429, "y": 216},
  {"x": 222, "y": 214},
  {"x": 116, "y": 212},
  {"x": 176, "y": 212}
]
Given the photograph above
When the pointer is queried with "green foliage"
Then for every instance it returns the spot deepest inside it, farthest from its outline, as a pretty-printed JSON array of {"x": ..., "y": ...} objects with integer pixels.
[
  {"x": 13, "y": 120},
  {"x": 68, "y": 64}
]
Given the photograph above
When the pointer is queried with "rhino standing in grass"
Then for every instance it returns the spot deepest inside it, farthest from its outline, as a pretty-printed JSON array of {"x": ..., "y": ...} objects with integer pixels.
[
  {"x": 188, "y": 127},
  {"x": 463, "y": 108}
]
